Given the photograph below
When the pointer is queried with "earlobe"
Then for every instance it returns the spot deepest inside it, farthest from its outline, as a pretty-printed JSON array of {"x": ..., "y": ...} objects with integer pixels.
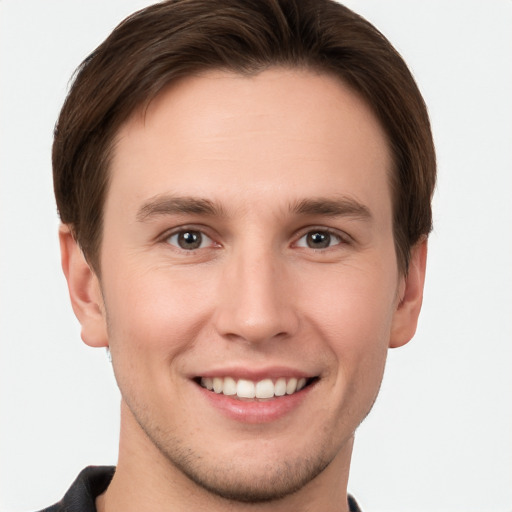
[
  {"x": 408, "y": 309},
  {"x": 84, "y": 290}
]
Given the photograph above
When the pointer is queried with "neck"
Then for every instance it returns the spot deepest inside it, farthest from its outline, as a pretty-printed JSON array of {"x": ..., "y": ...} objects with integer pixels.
[{"x": 146, "y": 480}]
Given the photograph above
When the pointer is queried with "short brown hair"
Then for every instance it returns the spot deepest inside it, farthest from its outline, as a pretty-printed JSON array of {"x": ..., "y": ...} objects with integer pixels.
[{"x": 177, "y": 38}]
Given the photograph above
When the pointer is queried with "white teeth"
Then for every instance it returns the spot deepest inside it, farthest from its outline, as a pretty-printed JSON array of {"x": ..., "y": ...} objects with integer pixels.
[
  {"x": 207, "y": 383},
  {"x": 243, "y": 388},
  {"x": 280, "y": 387},
  {"x": 291, "y": 387},
  {"x": 229, "y": 387},
  {"x": 265, "y": 389},
  {"x": 218, "y": 384}
]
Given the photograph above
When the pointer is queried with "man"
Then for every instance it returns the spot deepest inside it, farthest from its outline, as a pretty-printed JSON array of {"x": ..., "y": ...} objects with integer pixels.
[{"x": 244, "y": 189}]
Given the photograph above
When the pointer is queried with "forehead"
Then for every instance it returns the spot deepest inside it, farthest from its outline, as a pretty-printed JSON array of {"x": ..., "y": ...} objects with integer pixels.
[{"x": 280, "y": 134}]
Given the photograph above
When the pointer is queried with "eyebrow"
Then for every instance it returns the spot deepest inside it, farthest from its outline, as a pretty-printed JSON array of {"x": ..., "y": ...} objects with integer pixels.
[
  {"x": 328, "y": 207},
  {"x": 168, "y": 205},
  {"x": 337, "y": 207}
]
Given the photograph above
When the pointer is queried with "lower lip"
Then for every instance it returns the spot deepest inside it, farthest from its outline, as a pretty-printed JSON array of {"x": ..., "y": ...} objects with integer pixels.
[{"x": 254, "y": 411}]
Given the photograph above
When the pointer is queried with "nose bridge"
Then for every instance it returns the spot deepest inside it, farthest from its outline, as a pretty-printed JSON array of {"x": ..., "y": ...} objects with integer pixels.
[{"x": 255, "y": 303}]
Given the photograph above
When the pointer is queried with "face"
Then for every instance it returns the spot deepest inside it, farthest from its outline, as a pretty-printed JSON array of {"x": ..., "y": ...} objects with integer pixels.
[{"x": 249, "y": 278}]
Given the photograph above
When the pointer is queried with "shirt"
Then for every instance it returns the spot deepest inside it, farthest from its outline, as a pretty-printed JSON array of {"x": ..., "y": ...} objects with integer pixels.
[{"x": 94, "y": 480}]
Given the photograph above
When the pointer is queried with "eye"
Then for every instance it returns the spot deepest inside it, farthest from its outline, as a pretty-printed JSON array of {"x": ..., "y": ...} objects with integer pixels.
[
  {"x": 189, "y": 240},
  {"x": 319, "y": 239}
]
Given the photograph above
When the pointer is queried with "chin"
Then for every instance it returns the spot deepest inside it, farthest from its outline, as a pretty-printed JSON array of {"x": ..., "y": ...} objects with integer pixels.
[
  {"x": 246, "y": 483},
  {"x": 254, "y": 476}
]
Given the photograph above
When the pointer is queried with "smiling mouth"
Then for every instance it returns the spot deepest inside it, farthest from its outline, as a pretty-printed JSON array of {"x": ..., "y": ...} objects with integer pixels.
[{"x": 265, "y": 389}]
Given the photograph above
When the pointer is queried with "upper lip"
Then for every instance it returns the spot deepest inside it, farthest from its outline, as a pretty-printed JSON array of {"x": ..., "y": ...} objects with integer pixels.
[{"x": 255, "y": 374}]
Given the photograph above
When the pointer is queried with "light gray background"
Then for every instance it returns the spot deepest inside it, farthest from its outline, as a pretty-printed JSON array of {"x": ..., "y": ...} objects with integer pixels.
[{"x": 440, "y": 435}]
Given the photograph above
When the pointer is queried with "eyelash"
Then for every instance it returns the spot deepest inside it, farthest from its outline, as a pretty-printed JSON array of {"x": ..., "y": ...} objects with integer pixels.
[
  {"x": 183, "y": 231},
  {"x": 342, "y": 238}
]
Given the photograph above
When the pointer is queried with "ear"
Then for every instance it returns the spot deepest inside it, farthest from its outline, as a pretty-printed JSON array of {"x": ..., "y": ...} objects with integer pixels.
[
  {"x": 408, "y": 309},
  {"x": 84, "y": 291}
]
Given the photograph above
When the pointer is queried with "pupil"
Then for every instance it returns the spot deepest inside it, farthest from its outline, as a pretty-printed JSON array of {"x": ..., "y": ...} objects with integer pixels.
[
  {"x": 189, "y": 240},
  {"x": 319, "y": 239}
]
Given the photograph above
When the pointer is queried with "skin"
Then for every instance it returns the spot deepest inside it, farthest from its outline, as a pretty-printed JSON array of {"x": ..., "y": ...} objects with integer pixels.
[{"x": 254, "y": 297}]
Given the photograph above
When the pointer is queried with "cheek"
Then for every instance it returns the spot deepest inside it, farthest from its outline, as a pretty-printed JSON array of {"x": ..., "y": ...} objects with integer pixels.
[
  {"x": 359, "y": 300},
  {"x": 153, "y": 322},
  {"x": 154, "y": 313},
  {"x": 353, "y": 312}
]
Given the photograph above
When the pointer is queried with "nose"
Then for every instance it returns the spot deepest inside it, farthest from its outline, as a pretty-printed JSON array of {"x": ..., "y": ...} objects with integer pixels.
[{"x": 256, "y": 299}]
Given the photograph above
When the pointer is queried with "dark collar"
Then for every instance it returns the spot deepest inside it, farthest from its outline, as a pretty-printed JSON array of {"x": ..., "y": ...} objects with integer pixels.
[
  {"x": 81, "y": 496},
  {"x": 94, "y": 480}
]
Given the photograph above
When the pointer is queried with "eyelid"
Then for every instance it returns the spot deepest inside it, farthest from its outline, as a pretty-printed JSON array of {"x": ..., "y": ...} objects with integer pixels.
[
  {"x": 205, "y": 232},
  {"x": 345, "y": 238}
]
